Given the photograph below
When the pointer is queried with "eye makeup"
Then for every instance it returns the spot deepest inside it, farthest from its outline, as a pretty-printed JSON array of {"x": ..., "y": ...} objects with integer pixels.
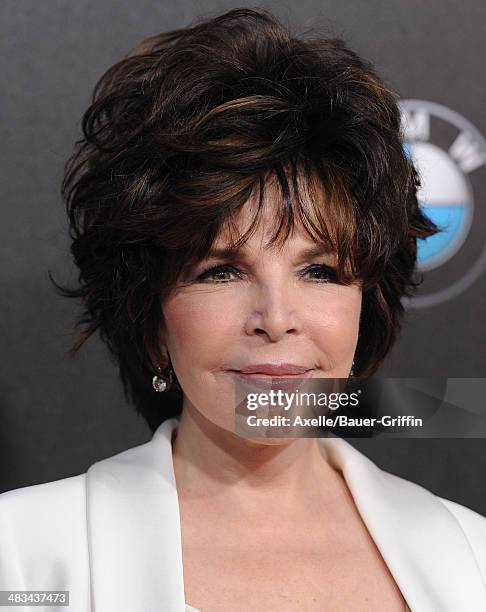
[{"x": 330, "y": 274}]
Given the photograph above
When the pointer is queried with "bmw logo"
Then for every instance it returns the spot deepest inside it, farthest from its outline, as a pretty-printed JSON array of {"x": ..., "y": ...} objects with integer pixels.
[{"x": 449, "y": 154}]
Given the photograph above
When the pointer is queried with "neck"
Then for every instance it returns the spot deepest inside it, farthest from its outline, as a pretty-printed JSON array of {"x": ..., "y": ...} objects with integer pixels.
[{"x": 247, "y": 476}]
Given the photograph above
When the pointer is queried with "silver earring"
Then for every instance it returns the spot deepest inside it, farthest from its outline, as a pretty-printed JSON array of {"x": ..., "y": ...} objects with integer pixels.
[
  {"x": 351, "y": 374},
  {"x": 159, "y": 383}
]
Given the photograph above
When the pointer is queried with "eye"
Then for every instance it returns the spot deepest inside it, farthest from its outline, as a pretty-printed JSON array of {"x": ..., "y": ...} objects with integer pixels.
[
  {"x": 320, "y": 273},
  {"x": 324, "y": 273},
  {"x": 217, "y": 273}
]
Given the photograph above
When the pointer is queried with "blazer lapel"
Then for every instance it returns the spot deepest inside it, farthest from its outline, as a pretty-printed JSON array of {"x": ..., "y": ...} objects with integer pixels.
[
  {"x": 421, "y": 542},
  {"x": 134, "y": 530},
  {"x": 135, "y": 537}
]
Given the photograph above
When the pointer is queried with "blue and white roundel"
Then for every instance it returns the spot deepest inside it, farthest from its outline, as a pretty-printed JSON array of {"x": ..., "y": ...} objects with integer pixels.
[
  {"x": 449, "y": 154},
  {"x": 446, "y": 198}
]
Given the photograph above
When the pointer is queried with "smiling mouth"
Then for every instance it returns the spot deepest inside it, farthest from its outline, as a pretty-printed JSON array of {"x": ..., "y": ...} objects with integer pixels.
[
  {"x": 266, "y": 375},
  {"x": 273, "y": 370},
  {"x": 265, "y": 381}
]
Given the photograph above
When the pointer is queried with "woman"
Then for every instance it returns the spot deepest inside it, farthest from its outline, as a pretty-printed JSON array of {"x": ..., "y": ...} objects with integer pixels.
[{"x": 241, "y": 207}]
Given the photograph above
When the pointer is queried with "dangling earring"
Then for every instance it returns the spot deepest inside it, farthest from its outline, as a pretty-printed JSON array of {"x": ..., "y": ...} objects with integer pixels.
[
  {"x": 351, "y": 374},
  {"x": 159, "y": 383}
]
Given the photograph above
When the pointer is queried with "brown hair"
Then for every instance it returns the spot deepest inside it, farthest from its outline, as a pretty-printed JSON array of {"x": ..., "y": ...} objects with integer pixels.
[{"x": 179, "y": 134}]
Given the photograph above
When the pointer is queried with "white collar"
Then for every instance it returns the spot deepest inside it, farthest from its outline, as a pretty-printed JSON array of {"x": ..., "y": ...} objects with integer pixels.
[{"x": 134, "y": 532}]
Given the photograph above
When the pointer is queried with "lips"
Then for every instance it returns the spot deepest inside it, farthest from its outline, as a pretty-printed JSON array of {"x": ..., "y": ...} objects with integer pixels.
[
  {"x": 274, "y": 369},
  {"x": 283, "y": 376}
]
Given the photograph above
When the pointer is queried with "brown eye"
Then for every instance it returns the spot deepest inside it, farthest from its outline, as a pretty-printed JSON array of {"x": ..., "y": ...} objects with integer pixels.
[
  {"x": 321, "y": 273},
  {"x": 218, "y": 274}
]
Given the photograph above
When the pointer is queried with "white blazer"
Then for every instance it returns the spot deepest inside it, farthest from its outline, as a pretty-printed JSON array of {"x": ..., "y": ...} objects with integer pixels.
[{"x": 111, "y": 536}]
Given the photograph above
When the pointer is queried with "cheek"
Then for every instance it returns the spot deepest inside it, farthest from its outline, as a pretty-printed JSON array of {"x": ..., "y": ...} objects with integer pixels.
[
  {"x": 201, "y": 321},
  {"x": 200, "y": 328},
  {"x": 333, "y": 321}
]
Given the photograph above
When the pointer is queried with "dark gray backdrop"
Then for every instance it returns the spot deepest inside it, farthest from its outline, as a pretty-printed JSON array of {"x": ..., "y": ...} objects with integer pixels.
[{"x": 58, "y": 416}]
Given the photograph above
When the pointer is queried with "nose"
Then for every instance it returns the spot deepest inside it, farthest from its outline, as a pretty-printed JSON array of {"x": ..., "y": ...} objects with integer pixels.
[{"x": 273, "y": 313}]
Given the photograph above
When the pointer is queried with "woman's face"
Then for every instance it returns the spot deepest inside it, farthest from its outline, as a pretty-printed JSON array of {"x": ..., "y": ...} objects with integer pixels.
[{"x": 263, "y": 306}]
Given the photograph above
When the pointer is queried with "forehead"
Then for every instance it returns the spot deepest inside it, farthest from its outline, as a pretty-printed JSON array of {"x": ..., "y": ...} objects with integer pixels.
[{"x": 263, "y": 212}]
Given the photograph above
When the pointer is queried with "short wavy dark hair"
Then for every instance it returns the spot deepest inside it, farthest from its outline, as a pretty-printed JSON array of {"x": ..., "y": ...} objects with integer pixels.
[{"x": 178, "y": 135}]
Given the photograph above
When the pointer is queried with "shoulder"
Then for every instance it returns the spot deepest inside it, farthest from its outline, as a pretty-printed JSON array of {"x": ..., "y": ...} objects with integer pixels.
[
  {"x": 64, "y": 491},
  {"x": 473, "y": 525},
  {"x": 49, "y": 506},
  {"x": 43, "y": 539},
  {"x": 470, "y": 520}
]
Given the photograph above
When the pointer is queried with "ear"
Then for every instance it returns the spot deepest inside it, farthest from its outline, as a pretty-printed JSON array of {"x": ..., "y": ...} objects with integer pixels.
[
  {"x": 158, "y": 350},
  {"x": 162, "y": 337}
]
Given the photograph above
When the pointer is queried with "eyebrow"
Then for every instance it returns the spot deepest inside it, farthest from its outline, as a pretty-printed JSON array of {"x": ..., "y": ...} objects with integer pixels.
[{"x": 229, "y": 254}]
